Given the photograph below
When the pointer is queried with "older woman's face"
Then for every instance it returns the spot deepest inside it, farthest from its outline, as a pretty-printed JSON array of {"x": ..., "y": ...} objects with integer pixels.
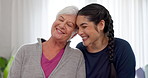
[{"x": 63, "y": 27}]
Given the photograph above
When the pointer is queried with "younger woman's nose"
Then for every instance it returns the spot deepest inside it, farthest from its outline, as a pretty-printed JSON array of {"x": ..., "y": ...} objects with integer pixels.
[{"x": 80, "y": 31}]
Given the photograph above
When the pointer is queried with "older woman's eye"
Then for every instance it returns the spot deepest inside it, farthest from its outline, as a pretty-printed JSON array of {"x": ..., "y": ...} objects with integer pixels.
[
  {"x": 61, "y": 20},
  {"x": 70, "y": 24}
]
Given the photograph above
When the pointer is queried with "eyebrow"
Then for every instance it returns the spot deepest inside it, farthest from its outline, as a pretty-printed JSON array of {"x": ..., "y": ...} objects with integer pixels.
[
  {"x": 68, "y": 21},
  {"x": 62, "y": 17},
  {"x": 83, "y": 24}
]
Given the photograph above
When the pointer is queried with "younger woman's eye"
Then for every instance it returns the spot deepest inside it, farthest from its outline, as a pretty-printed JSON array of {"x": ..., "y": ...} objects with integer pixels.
[{"x": 84, "y": 26}]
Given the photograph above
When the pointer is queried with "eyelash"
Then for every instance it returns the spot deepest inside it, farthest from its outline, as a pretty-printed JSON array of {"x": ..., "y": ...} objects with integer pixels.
[
  {"x": 84, "y": 26},
  {"x": 61, "y": 20},
  {"x": 69, "y": 25}
]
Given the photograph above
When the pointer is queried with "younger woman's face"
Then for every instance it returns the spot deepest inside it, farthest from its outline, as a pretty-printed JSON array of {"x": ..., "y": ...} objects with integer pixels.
[{"x": 89, "y": 32}]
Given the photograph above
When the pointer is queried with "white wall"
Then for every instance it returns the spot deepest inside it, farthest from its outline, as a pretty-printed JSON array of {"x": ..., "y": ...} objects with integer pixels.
[{"x": 5, "y": 28}]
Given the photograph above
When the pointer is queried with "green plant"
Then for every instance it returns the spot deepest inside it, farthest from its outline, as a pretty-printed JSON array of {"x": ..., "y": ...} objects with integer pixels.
[
  {"x": 6, "y": 70},
  {"x": 3, "y": 64}
]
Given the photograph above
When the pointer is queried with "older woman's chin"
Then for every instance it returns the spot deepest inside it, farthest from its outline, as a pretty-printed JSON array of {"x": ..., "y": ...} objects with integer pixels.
[{"x": 57, "y": 36}]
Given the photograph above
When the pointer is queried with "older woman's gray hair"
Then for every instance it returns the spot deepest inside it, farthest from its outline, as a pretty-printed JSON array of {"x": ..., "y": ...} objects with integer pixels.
[
  {"x": 73, "y": 10},
  {"x": 68, "y": 10}
]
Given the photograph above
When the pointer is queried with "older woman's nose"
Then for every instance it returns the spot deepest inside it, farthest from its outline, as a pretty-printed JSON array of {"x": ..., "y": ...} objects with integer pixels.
[{"x": 62, "y": 25}]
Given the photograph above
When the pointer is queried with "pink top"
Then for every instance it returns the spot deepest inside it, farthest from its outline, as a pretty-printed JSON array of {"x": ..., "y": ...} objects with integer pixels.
[{"x": 49, "y": 65}]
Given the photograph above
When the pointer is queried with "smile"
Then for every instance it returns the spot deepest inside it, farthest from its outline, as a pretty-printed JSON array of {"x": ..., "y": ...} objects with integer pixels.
[
  {"x": 84, "y": 38},
  {"x": 59, "y": 31}
]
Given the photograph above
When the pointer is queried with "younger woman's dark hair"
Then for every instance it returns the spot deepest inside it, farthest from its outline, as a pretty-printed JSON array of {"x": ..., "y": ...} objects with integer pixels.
[{"x": 95, "y": 13}]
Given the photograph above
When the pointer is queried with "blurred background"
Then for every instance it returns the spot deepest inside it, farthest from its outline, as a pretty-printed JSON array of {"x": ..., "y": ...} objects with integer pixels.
[{"x": 23, "y": 21}]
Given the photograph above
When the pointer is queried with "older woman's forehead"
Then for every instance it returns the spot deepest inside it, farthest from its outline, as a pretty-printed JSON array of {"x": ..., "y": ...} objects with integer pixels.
[{"x": 69, "y": 17}]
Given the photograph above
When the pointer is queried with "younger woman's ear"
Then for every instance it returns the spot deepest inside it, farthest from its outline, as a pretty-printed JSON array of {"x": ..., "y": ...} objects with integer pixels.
[{"x": 101, "y": 25}]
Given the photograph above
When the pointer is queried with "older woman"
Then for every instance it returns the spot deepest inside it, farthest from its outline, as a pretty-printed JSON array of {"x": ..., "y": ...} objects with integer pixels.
[{"x": 53, "y": 58}]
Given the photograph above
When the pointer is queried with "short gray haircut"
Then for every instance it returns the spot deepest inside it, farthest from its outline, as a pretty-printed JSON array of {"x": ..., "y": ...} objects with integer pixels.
[
  {"x": 68, "y": 10},
  {"x": 72, "y": 10}
]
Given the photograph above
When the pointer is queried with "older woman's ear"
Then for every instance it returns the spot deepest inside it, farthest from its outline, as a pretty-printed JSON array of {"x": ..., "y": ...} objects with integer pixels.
[{"x": 73, "y": 34}]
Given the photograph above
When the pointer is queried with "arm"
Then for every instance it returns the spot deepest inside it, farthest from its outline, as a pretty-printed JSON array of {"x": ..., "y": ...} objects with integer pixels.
[
  {"x": 15, "y": 70},
  {"x": 125, "y": 62},
  {"x": 81, "y": 73}
]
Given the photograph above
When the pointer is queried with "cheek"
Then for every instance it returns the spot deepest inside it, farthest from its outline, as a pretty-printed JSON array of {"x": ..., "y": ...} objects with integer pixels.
[
  {"x": 53, "y": 27},
  {"x": 69, "y": 31},
  {"x": 54, "y": 24},
  {"x": 89, "y": 30}
]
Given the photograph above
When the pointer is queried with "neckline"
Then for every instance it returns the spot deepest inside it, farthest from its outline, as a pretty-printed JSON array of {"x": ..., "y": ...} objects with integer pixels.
[
  {"x": 60, "y": 53},
  {"x": 99, "y": 52}
]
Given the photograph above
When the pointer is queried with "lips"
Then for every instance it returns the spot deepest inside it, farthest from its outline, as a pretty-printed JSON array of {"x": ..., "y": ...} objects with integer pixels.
[
  {"x": 60, "y": 31},
  {"x": 84, "y": 38}
]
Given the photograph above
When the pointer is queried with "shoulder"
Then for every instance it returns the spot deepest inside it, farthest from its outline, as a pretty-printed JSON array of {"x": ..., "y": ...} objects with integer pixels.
[
  {"x": 75, "y": 51},
  {"x": 123, "y": 48},
  {"x": 124, "y": 58},
  {"x": 28, "y": 52},
  {"x": 27, "y": 48},
  {"x": 121, "y": 43},
  {"x": 80, "y": 45},
  {"x": 31, "y": 45}
]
